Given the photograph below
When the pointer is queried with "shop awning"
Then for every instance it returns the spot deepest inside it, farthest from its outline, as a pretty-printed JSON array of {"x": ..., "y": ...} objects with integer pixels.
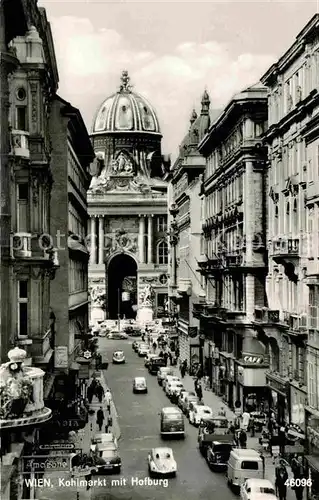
[{"x": 313, "y": 462}]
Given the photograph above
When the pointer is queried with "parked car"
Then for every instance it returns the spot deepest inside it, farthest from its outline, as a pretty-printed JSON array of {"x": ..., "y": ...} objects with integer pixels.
[
  {"x": 173, "y": 387},
  {"x": 106, "y": 458},
  {"x": 218, "y": 451},
  {"x": 182, "y": 396},
  {"x": 162, "y": 371},
  {"x": 118, "y": 357},
  {"x": 148, "y": 358},
  {"x": 143, "y": 350},
  {"x": 117, "y": 336},
  {"x": 161, "y": 462},
  {"x": 198, "y": 413},
  {"x": 257, "y": 489},
  {"x": 135, "y": 345},
  {"x": 139, "y": 385},
  {"x": 102, "y": 437},
  {"x": 155, "y": 364},
  {"x": 189, "y": 399},
  {"x": 169, "y": 378}
]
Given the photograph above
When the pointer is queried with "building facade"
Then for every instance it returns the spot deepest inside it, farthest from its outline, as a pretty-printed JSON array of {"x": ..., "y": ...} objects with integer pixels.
[
  {"x": 72, "y": 154},
  {"x": 232, "y": 258},
  {"x": 185, "y": 229},
  {"x": 127, "y": 203},
  {"x": 28, "y": 263},
  {"x": 292, "y": 224}
]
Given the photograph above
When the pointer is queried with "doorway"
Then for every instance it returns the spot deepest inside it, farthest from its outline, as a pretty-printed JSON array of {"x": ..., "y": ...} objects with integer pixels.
[{"x": 122, "y": 287}]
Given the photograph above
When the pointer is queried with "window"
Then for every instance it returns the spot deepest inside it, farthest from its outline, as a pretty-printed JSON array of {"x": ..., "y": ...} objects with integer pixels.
[
  {"x": 21, "y": 119},
  {"x": 249, "y": 465},
  {"x": 161, "y": 224},
  {"x": 162, "y": 253},
  {"x": 314, "y": 306},
  {"x": 23, "y": 307},
  {"x": 22, "y": 207}
]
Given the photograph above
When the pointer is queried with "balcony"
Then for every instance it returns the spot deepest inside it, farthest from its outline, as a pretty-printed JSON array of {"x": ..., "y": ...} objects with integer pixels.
[
  {"x": 21, "y": 245},
  {"x": 285, "y": 250},
  {"x": 297, "y": 323},
  {"x": 20, "y": 144},
  {"x": 42, "y": 348},
  {"x": 266, "y": 316},
  {"x": 312, "y": 191},
  {"x": 233, "y": 260}
]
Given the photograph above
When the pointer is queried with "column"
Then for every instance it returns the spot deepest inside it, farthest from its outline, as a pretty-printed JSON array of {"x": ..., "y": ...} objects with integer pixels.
[
  {"x": 141, "y": 236},
  {"x": 101, "y": 239},
  {"x": 150, "y": 240},
  {"x": 93, "y": 242}
]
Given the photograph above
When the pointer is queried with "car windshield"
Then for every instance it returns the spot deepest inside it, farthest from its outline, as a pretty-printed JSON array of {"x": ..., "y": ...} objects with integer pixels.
[
  {"x": 220, "y": 423},
  {"x": 222, "y": 448},
  {"x": 108, "y": 454},
  {"x": 173, "y": 416}
]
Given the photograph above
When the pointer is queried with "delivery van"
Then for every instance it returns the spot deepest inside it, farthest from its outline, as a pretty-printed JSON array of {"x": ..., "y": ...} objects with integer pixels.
[{"x": 244, "y": 464}]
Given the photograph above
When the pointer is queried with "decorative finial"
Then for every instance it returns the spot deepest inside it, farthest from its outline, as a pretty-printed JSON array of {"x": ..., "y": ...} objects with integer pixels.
[
  {"x": 125, "y": 79},
  {"x": 205, "y": 103},
  {"x": 193, "y": 116},
  {"x": 17, "y": 355}
]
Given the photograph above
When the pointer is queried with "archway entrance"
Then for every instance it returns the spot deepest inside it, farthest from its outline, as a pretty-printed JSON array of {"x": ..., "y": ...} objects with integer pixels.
[{"x": 122, "y": 287}]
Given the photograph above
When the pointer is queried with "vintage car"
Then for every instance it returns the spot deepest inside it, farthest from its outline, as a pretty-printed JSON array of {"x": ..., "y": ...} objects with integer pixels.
[
  {"x": 155, "y": 364},
  {"x": 102, "y": 437},
  {"x": 115, "y": 335},
  {"x": 135, "y": 345},
  {"x": 208, "y": 429},
  {"x": 218, "y": 451},
  {"x": 143, "y": 350},
  {"x": 118, "y": 357},
  {"x": 187, "y": 402},
  {"x": 148, "y": 358},
  {"x": 106, "y": 458},
  {"x": 169, "y": 378},
  {"x": 257, "y": 489},
  {"x": 182, "y": 396},
  {"x": 162, "y": 371},
  {"x": 172, "y": 422},
  {"x": 198, "y": 413},
  {"x": 260, "y": 420},
  {"x": 173, "y": 388},
  {"x": 161, "y": 462},
  {"x": 139, "y": 385}
]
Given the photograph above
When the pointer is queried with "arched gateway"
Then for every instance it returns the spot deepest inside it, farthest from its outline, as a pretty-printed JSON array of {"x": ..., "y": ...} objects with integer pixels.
[
  {"x": 127, "y": 204},
  {"x": 122, "y": 287}
]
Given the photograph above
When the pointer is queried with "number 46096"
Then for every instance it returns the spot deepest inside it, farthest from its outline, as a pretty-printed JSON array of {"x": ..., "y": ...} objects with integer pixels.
[{"x": 298, "y": 482}]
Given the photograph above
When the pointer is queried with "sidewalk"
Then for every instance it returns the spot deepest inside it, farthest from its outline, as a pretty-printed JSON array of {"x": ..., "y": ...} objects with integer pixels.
[
  {"x": 216, "y": 404},
  {"x": 81, "y": 441}
]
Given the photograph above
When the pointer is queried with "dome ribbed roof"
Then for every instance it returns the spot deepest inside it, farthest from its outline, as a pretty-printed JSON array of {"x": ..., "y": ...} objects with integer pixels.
[{"x": 126, "y": 111}]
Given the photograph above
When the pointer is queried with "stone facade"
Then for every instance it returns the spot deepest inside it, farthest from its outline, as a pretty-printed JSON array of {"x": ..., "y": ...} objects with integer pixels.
[
  {"x": 232, "y": 259},
  {"x": 127, "y": 207}
]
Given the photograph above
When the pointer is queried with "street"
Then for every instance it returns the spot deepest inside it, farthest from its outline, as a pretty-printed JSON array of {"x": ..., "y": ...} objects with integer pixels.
[{"x": 140, "y": 431}]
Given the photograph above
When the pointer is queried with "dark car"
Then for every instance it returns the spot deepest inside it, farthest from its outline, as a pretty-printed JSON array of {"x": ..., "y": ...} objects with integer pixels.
[
  {"x": 155, "y": 364},
  {"x": 106, "y": 458},
  {"x": 207, "y": 431},
  {"x": 135, "y": 345},
  {"x": 218, "y": 451}
]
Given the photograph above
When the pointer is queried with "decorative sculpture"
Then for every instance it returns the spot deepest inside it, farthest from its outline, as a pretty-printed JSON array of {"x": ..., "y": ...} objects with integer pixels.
[
  {"x": 97, "y": 296},
  {"x": 16, "y": 387},
  {"x": 147, "y": 296},
  {"x": 122, "y": 165}
]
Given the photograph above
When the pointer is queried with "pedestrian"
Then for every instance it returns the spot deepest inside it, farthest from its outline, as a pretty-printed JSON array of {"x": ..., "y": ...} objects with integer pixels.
[
  {"x": 299, "y": 474},
  {"x": 199, "y": 391},
  {"x": 90, "y": 394},
  {"x": 252, "y": 426},
  {"x": 182, "y": 370},
  {"x": 108, "y": 399},
  {"x": 165, "y": 356},
  {"x": 177, "y": 352},
  {"x": 99, "y": 391},
  {"x": 154, "y": 346},
  {"x": 280, "y": 481},
  {"x": 242, "y": 439},
  {"x": 222, "y": 412},
  {"x": 263, "y": 461},
  {"x": 170, "y": 358},
  {"x": 100, "y": 418},
  {"x": 245, "y": 418},
  {"x": 282, "y": 440}
]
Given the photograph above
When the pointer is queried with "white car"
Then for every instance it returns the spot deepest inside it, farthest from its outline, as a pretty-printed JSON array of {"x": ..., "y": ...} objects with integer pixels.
[
  {"x": 161, "y": 461},
  {"x": 164, "y": 370},
  {"x": 173, "y": 388},
  {"x": 118, "y": 357},
  {"x": 143, "y": 350},
  {"x": 199, "y": 413},
  {"x": 102, "y": 437},
  {"x": 169, "y": 378},
  {"x": 257, "y": 489},
  {"x": 148, "y": 358}
]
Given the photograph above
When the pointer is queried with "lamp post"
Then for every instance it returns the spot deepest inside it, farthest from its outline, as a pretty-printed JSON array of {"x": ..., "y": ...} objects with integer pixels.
[{"x": 119, "y": 309}]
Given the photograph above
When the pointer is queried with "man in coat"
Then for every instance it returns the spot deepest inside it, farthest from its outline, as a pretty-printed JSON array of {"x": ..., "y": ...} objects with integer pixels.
[{"x": 100, "y": 418}]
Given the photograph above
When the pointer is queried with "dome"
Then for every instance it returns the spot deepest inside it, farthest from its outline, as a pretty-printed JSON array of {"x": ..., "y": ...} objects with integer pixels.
[{"x": 126, "y": 111}]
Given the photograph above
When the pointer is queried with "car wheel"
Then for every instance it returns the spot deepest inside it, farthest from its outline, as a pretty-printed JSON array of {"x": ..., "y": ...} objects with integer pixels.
[
  {"x": 146, "y": 391},
  {"x": 173, "y": 474}
]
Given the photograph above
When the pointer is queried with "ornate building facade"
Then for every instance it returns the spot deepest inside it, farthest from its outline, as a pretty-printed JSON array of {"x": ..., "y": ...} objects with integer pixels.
[
  {"x": 185, "y": 284},
  {"x": 233, "y": 247},
  {"x": 292, "y": 233},
  {"x": 127, "y": 203}
]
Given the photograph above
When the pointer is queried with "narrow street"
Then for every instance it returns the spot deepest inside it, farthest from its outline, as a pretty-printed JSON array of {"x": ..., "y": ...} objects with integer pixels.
[{"x": 140, "y": 431}]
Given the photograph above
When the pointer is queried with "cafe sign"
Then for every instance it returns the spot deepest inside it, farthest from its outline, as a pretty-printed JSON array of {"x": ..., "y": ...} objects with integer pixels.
[{"x": 254, "y": 360}]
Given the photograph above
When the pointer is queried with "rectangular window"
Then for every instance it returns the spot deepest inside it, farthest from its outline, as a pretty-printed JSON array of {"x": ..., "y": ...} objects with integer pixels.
[
  {"x": 22, "y": 207},
  {"x": 23, "y": 307},
  {"x": 161, "y": 224},
  {"x": 314, "y": 306},
  {"x": 21, "y": 123}
]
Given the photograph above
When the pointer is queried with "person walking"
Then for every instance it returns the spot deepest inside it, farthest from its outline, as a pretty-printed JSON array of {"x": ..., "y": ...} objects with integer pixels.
[
  {"x": 90, "y": 394},
  {"x": 100, "y": 418},
  {"x": 243, "y": 439},
  {"x": 99, "y": 391},
  {"x": 280, "y": 481},
  {"x": 299, "y": 474},
  {"x": 108, "y": 399},
  {"x": 199, "y": 391},
  {"x": 165, "y": 356},
  {"x": 282, "y": 440},
  {"x": 154, "y": 346},
  {"x": 182, "y": 370}
]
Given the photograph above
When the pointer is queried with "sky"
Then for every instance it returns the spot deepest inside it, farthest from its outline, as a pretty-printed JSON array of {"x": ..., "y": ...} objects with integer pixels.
[{"x": 173, "y": 51}]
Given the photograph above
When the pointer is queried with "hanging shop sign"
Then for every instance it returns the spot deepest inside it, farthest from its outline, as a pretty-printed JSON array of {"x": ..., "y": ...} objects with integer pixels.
[
  {"x": 38, "y": 464},
  {"x": 87, "y": 355},
  {"x": 61, "y": 357},
  {"x": 57, "y": 446},
  {"x": 192, "y": 331}
]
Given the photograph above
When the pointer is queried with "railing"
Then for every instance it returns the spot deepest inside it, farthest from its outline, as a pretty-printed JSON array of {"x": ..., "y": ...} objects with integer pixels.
[
  {"x": 233, "y": 260},
  {"x": 21, "y": 245},
  {"x": 265, "y": 315},
  {"x": 41, "y": 346},
  {"x": 297, "y": 322},
  {"x": 20, "y": 143},
  {"x": 283, "y": 246}
]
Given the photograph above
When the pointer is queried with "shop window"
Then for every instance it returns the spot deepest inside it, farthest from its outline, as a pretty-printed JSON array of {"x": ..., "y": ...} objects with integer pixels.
[{"x": 23, "y": 306}]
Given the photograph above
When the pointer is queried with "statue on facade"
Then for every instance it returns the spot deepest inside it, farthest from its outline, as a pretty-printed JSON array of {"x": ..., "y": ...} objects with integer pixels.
[
  {"x": 97, "y": 296},
  {"x": 147, "y": 296},
  {"x": 16, "y": 388},
  {"x": 122, "y": 165}
]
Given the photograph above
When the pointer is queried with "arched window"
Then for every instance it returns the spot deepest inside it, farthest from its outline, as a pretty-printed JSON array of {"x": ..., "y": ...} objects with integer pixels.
[{"x": 162, "y": 253}]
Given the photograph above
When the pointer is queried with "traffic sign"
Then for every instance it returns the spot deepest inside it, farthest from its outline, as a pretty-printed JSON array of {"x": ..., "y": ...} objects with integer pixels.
[
  {"x": 87, "y": 354},
  {"x": 57, "y": 446}
]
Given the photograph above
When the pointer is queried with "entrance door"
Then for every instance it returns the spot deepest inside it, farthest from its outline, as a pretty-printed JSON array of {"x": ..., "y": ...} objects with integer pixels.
[{"x": 122, "y": 287}]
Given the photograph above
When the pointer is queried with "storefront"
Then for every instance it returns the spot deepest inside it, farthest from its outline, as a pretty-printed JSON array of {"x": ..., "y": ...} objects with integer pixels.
[
  {"x": 250, "y": 387},
  {"x": 298, "y": 398},
  {"x": 279, "y": 397},
  {"x": 312, "y": 457},
  {"x": 227, "y": 377}
]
